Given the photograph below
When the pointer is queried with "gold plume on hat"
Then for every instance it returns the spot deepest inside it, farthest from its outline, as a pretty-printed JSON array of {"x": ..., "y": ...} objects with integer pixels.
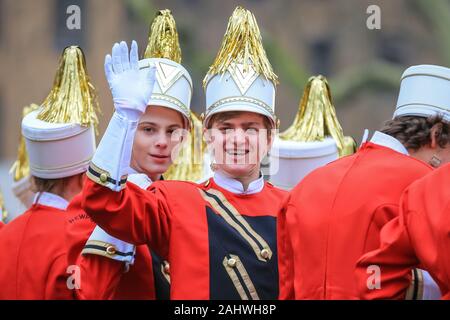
[
  {"x": 73, "y": 98},
  {"x": 316, "y": 118},
  {"x": 163, "y": 43},
  {"x": 21, "y": 167},
  {"x": 163, "y": 38},
  {"x": 190, "y": 164},
  {"x": 242, "y": 43}
]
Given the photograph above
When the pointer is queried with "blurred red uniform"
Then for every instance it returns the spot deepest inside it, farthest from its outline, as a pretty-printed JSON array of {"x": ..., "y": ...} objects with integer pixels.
[
  {"x": 335, "y": 214},
  {"x": 103, "y": 275},
  {"x": 220, "y": 245},
  {"x": 419, "y": 236},
  {"x": 33, "y": 253}
]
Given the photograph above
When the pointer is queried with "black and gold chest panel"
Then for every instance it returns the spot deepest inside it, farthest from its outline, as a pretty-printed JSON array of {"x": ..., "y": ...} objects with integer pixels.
[
  {"x": 242, "y": 252},
  {"x": 161, "y": 277}
]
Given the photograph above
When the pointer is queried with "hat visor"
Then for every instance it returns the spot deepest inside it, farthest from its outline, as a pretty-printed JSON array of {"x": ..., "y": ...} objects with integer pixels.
[
  {"x": 170, "y": 105},
  {"x": 422, "y": 110},
  {"x": 241, "y": 106}
]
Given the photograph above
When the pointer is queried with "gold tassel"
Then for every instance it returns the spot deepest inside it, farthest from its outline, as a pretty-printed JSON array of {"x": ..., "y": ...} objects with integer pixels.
[
  {"x": 190, "y": 164},
  {"x": 242, "y": 43},
  {"x": 73, "y": 98},
  {"x": 316, "y": 118},
  {"x": 21, "y": 167},
  {"x": 163, "y": 38}
]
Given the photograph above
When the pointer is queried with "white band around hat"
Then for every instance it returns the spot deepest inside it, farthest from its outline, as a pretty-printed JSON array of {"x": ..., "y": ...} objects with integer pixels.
[
  {"x": 238, "y": 91},
  {"x": 57, "y": 150}
]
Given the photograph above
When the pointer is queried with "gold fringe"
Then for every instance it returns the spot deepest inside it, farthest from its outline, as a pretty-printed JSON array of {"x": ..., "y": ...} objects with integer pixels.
[
  {"x": 316, "y": 118},
  {"x": 242, "y": 43},
  {"x": 189, "y": 165},
  {"x": 21, "y": 167},
  {"x": 73, "y": 98},
  {"x": 163, "y": 38}
]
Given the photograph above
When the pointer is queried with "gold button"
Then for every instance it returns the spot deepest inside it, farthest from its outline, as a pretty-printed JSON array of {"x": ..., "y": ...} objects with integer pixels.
[
  {"x": 231, "y": 262},
  {"x": 265, "y": 253},
  {"x": 111, "y": 250},
  {"x": 166, "y": 267},
  {"x": 103, "y": 177}
]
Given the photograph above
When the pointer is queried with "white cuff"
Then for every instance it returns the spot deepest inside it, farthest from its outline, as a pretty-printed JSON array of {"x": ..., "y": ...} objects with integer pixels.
[
  {"x": 111, "y": 162},
  {"x": 431, "y": 290},
  {"x": 102, "y": 244}
]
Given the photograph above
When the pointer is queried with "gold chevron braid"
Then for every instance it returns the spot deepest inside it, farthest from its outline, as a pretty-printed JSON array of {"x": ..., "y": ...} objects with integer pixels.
[
  {"x": 243, "y": 228},
  {"x": 232, "y": 273}
]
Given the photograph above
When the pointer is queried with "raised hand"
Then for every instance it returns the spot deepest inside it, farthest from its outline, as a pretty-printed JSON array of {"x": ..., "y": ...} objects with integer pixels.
[{"x": 131, "y": 88}]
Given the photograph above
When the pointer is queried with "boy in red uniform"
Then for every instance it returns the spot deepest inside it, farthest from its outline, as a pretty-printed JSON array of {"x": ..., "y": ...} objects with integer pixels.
[
  {"x": 219, "y": 236},
  {"x": 60, "y": 141},
  {"x": 418, "y": 237},
  {"x": 335, "y": 214},
  {"x": 111, "y": 268}
]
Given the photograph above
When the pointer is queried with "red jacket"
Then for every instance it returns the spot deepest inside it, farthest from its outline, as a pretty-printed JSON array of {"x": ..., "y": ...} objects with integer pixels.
[
  {"x": 33, "y": 255},
  {"x": 220, "y": 245},
  {"x": 419, "y": 236},
  {"x": 334, "y": 216},
  {"x": 104, "y": 278}
]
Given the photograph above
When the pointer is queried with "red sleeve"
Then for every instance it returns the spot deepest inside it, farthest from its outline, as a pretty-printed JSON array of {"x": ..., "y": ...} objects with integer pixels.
[
  {"x": 285, "y": 256},
  {"x": 133, "y": 215},
  {"x": 99, "y": 277},
  {"x": 56, "y": 287},
  {"x": 395, "y": 258}
]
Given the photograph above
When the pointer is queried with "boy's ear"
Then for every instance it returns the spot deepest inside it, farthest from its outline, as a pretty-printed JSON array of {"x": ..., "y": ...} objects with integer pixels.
[
  {"x": 435, "y": 132},
  {"x": 207, "y": 135}
]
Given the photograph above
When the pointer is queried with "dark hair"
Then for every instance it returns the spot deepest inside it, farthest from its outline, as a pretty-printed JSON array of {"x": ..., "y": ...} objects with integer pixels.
[
  {"x": 44, "y": 185},
  {"x": 48, "y": 185},
  {"x": 415, "y": 132}
]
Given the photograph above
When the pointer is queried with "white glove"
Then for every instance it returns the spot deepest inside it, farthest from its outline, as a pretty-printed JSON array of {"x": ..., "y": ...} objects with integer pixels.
[{"x": 131, "y": 88}]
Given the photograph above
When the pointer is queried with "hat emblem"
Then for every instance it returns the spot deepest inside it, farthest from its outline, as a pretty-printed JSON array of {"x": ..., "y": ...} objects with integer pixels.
[{"x": 167, "y": 75}]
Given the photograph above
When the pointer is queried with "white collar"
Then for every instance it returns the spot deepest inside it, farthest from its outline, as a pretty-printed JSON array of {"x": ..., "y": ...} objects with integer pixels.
[
  {"x": 388, "y": 141},
  {"x": 140, "y": 179},
  {"x": 236, "y": 187},
  {"x": 50, "y": 200}
]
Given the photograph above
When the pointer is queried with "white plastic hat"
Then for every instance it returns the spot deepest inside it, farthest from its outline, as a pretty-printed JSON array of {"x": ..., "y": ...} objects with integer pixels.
[{"x": 424, "y": 92}]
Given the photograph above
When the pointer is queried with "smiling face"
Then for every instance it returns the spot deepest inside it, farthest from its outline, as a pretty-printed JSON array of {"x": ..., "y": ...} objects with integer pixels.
[
  {"x": 239, "y": 141},
  {"x": 157, "y": 138}
]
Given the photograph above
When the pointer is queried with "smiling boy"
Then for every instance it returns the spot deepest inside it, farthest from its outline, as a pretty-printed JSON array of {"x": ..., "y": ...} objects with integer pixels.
[{"x": 219, "y": 236}]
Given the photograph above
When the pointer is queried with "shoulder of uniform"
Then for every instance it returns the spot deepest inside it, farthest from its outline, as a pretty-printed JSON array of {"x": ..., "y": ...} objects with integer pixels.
[
  {"x": 169, "y": 185},
  {"x": 272, "y": 186}
]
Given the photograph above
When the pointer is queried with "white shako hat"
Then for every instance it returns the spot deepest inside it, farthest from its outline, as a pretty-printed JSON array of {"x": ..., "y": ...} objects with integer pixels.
[
  {"x": 20, "y": 170},
  {"x": 173, "y": 86},
  {"x": 314, "y": 139},
  {"x": 241, "y": 77},
  {"x": 60, "y": 135},
  {"x": 424, "y": 92}
]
